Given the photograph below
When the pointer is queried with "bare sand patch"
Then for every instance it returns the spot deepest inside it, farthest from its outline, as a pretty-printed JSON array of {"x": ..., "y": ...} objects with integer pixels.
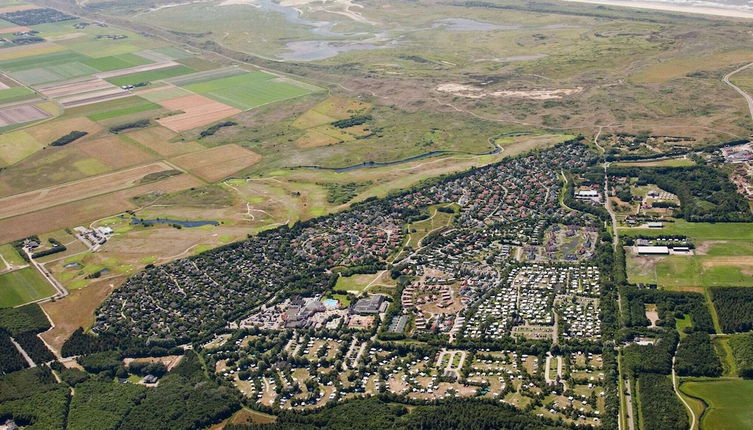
[{"x": 472, "y": 92}]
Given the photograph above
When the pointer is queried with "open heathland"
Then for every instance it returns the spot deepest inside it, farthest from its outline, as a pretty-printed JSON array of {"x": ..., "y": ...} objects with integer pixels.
[{"x": 23, "y": 286}]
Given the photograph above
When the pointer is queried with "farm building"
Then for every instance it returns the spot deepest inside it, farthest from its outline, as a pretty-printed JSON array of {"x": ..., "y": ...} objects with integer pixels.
[{"x": 652, "y": 250}]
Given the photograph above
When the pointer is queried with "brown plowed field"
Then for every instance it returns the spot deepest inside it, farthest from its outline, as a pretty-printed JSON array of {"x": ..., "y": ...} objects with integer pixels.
[
  {"x": 218, "y": 162},
  {"x": 199, "y": 111},
  {"x": 158, "y": 140},
  {"x": 21, "y": 113},
  {"x": 115, "y": 153},
  {"x": 47, "y": 197},
  {"x": 85, "y": 211}
]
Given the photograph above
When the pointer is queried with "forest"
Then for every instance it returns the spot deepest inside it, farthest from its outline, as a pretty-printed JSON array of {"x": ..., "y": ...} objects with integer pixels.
[
  {"x": 670, "y": 305},
  {"x": 733, "y": 306},
  {"x": 742, "y": 349},
  {"x": 705, "y": 193},
  {"x": 696, "y": 356},
  {"x": 660, "y": 407}
]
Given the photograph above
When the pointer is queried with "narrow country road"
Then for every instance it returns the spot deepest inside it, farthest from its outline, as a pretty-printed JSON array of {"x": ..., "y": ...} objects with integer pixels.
[
  {"x": 677, "y": 392},
  {"x": 747, "y": 96}
]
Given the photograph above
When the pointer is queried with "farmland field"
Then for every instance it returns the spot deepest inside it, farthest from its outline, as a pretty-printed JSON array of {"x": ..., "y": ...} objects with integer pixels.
[
  {"x": 150, "y": 76},
  {"x": 15, "y": 94},
  {"x": 16, "y": 146},
  {"x": 697, "y": 230},
  {"x": 218, "y": 162},
  {"x": 115, "y": 62},
  {"x": 249, "y": 90},
  {"x": 137, "y": 105},
  {"x": 158, "y": 139},
  {"x": 23, "y": 286},
  {"x": 728, "y": 403},
  {"x": 682, "y": 271},
  {"x": 197, "y": 111}
]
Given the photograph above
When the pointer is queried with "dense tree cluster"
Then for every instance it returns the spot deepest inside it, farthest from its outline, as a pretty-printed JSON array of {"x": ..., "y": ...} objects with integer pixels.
[
  {"x": 30, "y": 17},
  {"x": 742, "y": 349},
  {"x": 101, "y": 404},
  {"x": 696, "y": 356},
  {"x": 734, "y": 306},
  {"x": 68, "y": 138},
  {"x": 660, "y": 407},
  {"x": 670, "y": 305},
  {"x": 656, "y": 358},
  {"x": 705, "y": 193},
  {"x": 10, "y": 359}
]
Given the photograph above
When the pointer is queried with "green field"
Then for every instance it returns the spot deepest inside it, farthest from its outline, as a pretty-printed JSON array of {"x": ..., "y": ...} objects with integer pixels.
[
  {"x": 728, "y": 403},
  {"x": 354, "y": 282},
  {"x": 424, "y": 227},
  {"x": 116, "y": 62},
  {"x": 139, "y": 105},
  {"x": 44, "y": 60},
  {"x": 686, "y": 271},
  {"x": 10, "y": 255},
  {"x": 248, "y": 90},
  {"x": 57, "y": 72},
  {"x": 23, "y": 286},
  {"x": 697, "y": 230},
  {"x": 15, "y": 94},
  {"x": 150, "y": 76},
  {"x": 17, "y": 145}
]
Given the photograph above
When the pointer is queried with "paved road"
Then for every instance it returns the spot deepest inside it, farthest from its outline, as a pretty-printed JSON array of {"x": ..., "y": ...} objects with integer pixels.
[
  {"x": 629, "y": 406},
  {"x": 747, "y": 97}
]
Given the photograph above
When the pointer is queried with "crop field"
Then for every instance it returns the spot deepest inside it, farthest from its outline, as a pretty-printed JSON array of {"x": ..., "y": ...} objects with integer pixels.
[
  {"x": 218, "y": 162},
  {"x": 728, "y": 405},
  {"x": 249, "y": 90},
  {"x": 136, "y": 105},
  {"x": 53, "y": 73},
  {"x": 86, "y": 210},
  {"x": 197, "y": 111},
  {"x": 157, "y": 95},
  {"x": 20, "y": 114},
  {"x": 15, "y": 94},
  {"x": 158, "y": 139},
  {"x": 21, "y": 52},
  {"x": 46, "y": 134},
  {"x": 23, "y": 286},
  {"x": 683, "y": 271},
  {"x": 116, "y": 62},
  {"x": 116, "y": 152},
  {"x": 48, "y": 197},
  {"x": 150, "y": 75},
  {"x": 17, "y": 145}
]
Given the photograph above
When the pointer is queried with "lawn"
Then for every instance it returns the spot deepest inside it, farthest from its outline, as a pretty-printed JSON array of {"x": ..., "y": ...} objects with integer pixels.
[
  {"x": 728, "y": 403},
  {"x": 698, "y": 230},
  {"x": 23, "y": 286},
  {"x": 150, "y": 76},
  {"x": 139, "y": 105},
  {"x": 248, "y": 90},
  {"x": 419, "y": 230},
  {"x": 10, "y": 255},
  {"x": 354, "y": 282}
]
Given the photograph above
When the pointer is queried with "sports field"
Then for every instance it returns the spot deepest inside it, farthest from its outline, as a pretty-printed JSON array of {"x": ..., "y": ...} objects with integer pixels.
[
  {"x": 248, "y": 90},
  {"x": 23, "y": 286},
  {"x": 728, "y": 403}
]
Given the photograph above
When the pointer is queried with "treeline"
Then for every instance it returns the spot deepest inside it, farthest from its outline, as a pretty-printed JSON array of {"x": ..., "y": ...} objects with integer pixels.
[
  {"x": 696, "y": 356},
  {"x": 377, "y": 414},
  {"x": 129, "y": 125},
  {"x": 734, "y": 306},
  {"x": 660, "y": 407},
  {"x": 352, "y": 121},
  {"x": 215, "y": 128},
  {"x": 54, "y": 249},
  {"x": 742, "y": 349},
  {"x": 705, "y": 193},
  {"x": 68, "y": 138}
]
